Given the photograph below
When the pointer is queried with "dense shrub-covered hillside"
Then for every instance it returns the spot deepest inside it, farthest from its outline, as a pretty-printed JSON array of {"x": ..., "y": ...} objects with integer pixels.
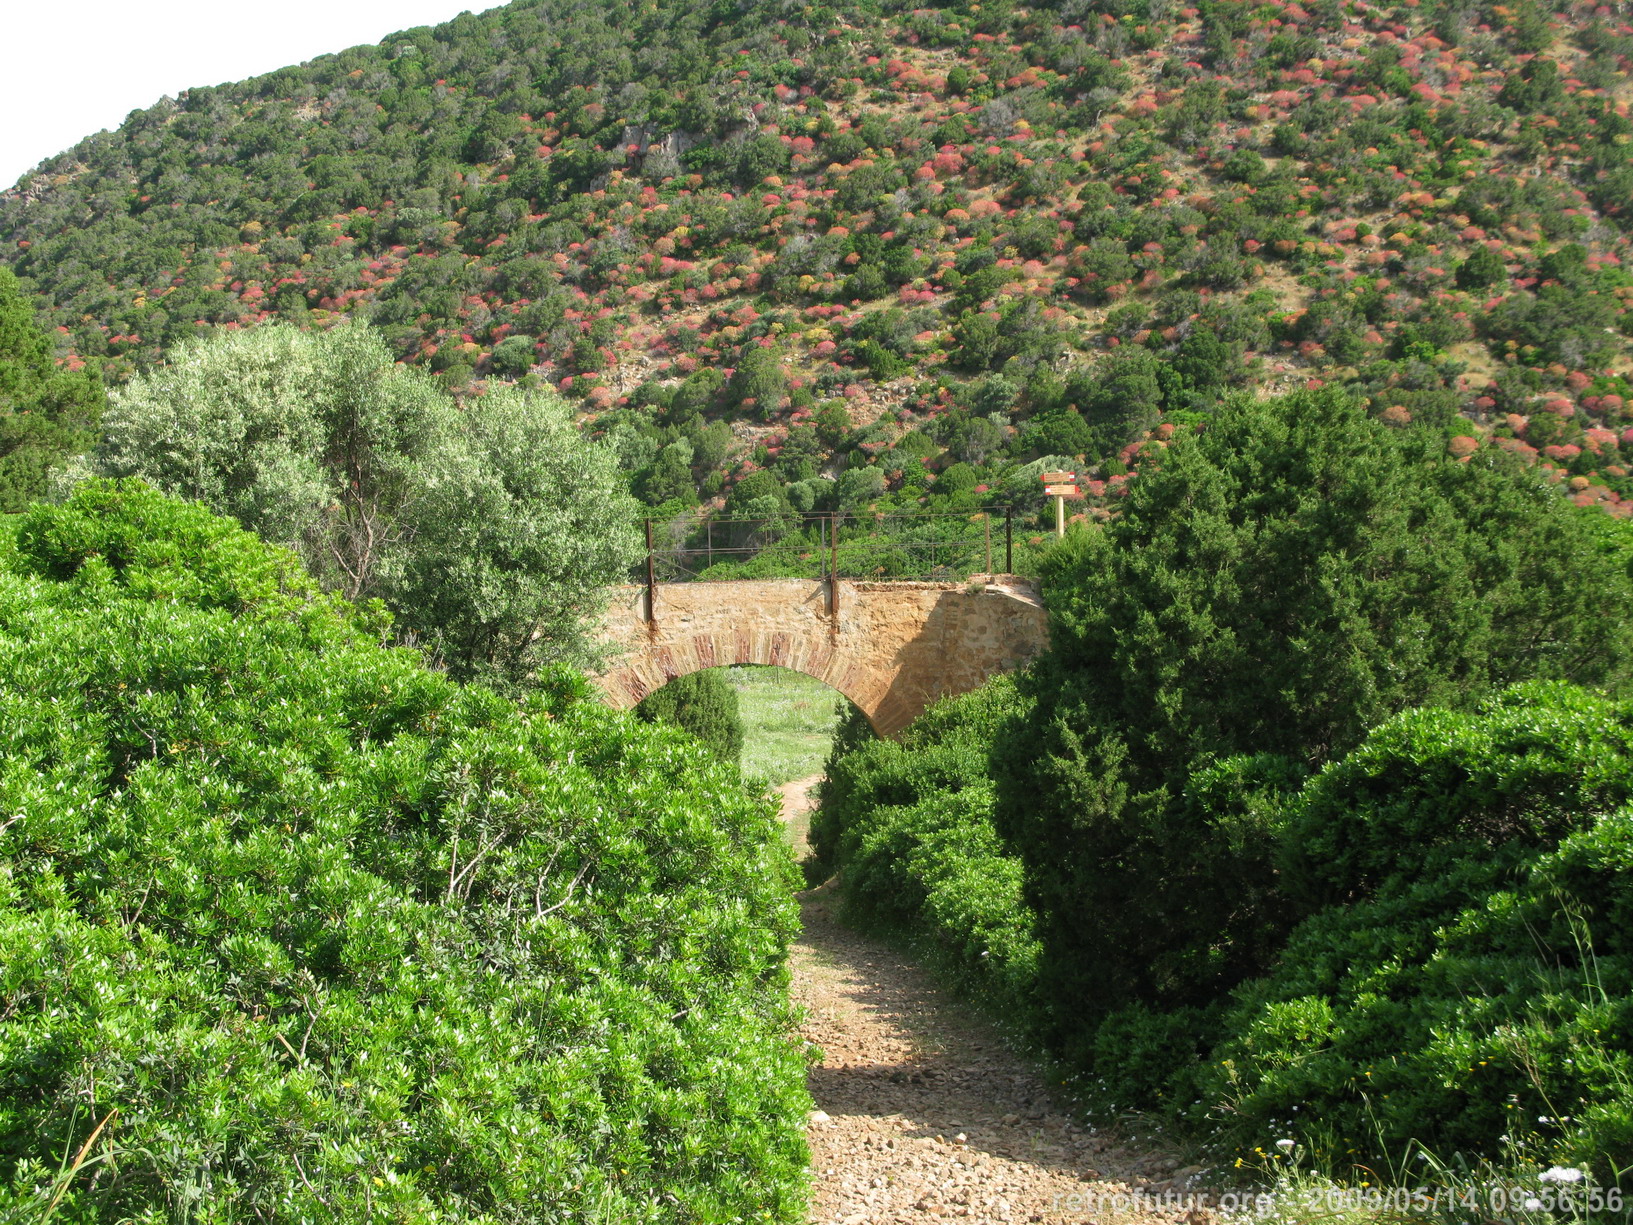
[
  {"x": 971, "y": 232},
  {"x": 293, "y": 928}
]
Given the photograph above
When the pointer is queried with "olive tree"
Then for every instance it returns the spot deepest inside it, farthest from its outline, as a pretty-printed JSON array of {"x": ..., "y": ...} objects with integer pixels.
[
  {"x": 488, "y": 528},
  {"x": 518, "y": 525}
]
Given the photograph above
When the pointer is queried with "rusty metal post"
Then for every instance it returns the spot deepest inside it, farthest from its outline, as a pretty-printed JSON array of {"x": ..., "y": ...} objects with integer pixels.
[
  {"x": 833, "y": 568},
  {"x": 1009, "y": 541},
  {"x": 651, "y": 581}
]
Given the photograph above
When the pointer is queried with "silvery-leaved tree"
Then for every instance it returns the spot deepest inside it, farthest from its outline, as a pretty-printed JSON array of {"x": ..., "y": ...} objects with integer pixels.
[
  {"x": 518, "y": 526},
  {"x": 490, "y": 529}
]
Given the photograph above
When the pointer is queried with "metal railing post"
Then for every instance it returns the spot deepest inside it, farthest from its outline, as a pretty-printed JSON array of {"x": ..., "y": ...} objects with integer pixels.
[
  {"x": 1009, "y": 541},
  {"x": 986, "y": 528},
  {"x": 833, "y": 568},
  {"x": 651, "y": 581}
]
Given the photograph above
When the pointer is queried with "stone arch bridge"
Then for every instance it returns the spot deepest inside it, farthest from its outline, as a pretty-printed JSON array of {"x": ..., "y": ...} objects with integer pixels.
[{"x": 890, "y": 647}]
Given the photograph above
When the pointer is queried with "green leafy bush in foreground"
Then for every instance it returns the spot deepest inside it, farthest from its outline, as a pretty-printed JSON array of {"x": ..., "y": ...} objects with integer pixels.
[
  {"x": 314, "y": 933},
  {"x": 1464, "y": 978}
]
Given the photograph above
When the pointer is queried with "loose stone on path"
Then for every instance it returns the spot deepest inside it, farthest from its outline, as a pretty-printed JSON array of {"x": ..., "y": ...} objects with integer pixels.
[{"x": 922, "y": 1113}]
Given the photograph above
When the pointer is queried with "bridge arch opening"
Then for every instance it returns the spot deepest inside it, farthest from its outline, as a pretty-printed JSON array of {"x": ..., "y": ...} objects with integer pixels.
[
  {"x": 781, "y": 654},
  {"x": 788, "y": 720}
]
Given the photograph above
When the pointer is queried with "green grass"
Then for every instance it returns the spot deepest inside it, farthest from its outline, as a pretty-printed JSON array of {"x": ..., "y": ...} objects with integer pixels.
[{"x": 788, "y": 722}]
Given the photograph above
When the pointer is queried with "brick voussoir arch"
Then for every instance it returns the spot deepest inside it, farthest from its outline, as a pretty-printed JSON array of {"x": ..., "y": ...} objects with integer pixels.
[{"x": 891, "y": 648}]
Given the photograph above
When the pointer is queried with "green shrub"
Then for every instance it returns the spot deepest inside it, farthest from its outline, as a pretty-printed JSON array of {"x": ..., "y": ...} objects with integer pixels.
[
  {"x": 315, "y": 933},
  {"x": 1146, "y": 1057},
  {"x": 490, "y": 528},
  {"x": 46, "y": 413},
  {"x": 937, "y": 873},
  {"x": 704, "y": 704},
  {"x": 513, "y": 356},
  {"x": 124, "y": 537},
  {"x": 1467, "y": 986},
  {"x": 1483, "y": 268},
  {"x": 1434, "y": 788}
]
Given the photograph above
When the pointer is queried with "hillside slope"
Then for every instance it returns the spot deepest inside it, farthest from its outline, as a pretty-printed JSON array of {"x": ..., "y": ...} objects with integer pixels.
[{"x": 988, "y": 231}]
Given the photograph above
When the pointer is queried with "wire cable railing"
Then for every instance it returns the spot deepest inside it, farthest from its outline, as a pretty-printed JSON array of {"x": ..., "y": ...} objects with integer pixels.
[{"x": 933, "y": 546}]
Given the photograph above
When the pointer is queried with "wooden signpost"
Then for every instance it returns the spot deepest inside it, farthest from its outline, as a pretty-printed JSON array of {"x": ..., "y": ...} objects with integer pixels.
[{"x": 1060, "y": 486}]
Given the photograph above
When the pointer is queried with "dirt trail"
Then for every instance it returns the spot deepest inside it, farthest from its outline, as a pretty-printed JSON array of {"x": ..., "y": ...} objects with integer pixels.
[{"x": 923, "y": 1113}]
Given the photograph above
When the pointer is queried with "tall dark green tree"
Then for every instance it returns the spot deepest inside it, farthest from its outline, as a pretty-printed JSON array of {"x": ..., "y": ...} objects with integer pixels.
[
  {"x": 46, "y": 413},
  {"x": 703, "y": 703},
  {"x": 1287, "y": 579}
]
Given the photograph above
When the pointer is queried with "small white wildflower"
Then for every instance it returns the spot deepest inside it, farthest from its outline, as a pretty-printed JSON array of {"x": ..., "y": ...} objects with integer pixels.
[
  {"x": 1286, "y": 1146},
  {"x": 1561, "y": 1173},
  {"x": 1532, "y": 1203}
]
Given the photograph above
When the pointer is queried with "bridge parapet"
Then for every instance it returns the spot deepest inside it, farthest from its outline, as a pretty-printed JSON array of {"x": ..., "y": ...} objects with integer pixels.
[{"x": 892, "y": 648}]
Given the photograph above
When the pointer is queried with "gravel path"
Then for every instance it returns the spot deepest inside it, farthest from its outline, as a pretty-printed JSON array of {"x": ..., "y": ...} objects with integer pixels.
[{"x": 923, "y": 1113}]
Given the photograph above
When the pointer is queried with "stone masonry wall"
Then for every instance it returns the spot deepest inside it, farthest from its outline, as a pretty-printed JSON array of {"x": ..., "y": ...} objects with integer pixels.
[{"x": 894, "y": 648}]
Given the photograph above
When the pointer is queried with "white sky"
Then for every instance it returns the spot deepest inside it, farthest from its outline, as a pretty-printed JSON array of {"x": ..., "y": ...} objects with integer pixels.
[{"x": 73, "y": 67}]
